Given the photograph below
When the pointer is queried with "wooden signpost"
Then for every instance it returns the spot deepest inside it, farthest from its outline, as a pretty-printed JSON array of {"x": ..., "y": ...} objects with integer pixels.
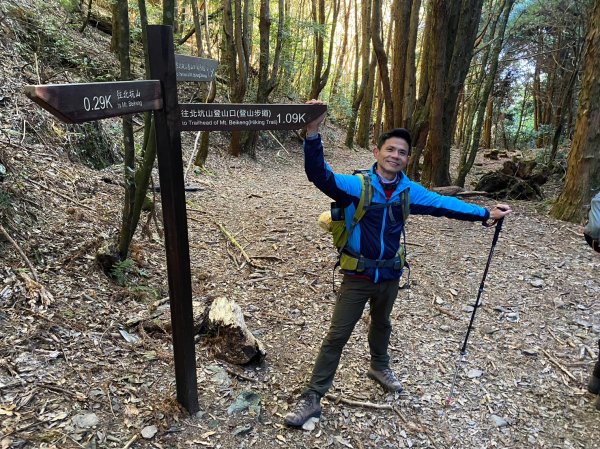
[{"x": 76, "y": 103}]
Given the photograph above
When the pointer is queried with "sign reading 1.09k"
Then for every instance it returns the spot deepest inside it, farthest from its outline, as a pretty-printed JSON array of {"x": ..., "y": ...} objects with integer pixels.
[{"x": 247, "y": 117}]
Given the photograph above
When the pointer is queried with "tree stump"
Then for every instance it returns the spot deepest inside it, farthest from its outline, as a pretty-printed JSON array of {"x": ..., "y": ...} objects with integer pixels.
[{"x": 227, "y": 335}]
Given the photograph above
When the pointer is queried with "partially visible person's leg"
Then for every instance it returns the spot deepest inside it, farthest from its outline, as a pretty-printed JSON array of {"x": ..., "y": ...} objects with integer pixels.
[
  {"x": 594, "y": 382},
  {"x": 380, "y": 331}
]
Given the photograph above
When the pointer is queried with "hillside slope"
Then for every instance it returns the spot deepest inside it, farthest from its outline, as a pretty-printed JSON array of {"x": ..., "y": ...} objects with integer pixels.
[{"x": 90, "y": 365}]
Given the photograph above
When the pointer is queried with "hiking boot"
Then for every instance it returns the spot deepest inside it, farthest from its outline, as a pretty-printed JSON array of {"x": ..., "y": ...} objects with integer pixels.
[
  {"x": 386, "y": 378},
  {"x": 308, "y": 406}
]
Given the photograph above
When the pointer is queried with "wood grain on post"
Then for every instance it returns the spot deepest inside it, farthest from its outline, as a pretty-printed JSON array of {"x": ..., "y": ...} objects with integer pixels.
[{"x": 170, "y": 168}]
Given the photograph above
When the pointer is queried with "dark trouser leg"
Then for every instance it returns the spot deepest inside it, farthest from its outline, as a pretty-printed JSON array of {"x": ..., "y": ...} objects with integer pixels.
[
  {"x": 380, "y": 329},
  {"x": 594, "y": 383},
  {"x": 349, "y": 306}
]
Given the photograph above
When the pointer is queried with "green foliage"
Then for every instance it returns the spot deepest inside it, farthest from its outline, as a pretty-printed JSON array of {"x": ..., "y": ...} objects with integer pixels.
[
  {"x": 144, "y": 293},
  {"x": 70, "y": 6},
  {"x": 122, "y": 270}
]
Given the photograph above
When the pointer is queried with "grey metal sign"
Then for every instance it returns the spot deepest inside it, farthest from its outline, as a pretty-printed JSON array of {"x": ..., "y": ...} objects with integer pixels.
[
  {"x": 247, "y": 117},
  {"x": 191, "y": 68}
]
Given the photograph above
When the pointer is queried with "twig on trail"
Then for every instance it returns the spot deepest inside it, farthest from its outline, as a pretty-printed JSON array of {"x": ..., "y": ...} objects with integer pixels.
[
  {"x": 338, "y": 399},
  {"x": 575, "y": 232},
  {"x": 268, "y": 257},
  {"x": 416, "y": 244},
  {"x": 62, "y": 195},
  {"x": 192, "y": 209},
  {"x": 590, "y": 352},
  {"x": 553, "y": 335},
  {"x": 74, "y": 394},
  {"x": 446, "y": 312},
  {"x": 20, "y": 251},
  {"x": 238, "y": 246},
  {"x": 130, "y": 442},
  {"x": 414, "y": 427},
  {"x": 276, "y": 140},
  {"x": 559, "y": 366}
]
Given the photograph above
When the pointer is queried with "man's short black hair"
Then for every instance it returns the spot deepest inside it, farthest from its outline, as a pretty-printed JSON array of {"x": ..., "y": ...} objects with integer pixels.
[{"x": 396, "y": 132}]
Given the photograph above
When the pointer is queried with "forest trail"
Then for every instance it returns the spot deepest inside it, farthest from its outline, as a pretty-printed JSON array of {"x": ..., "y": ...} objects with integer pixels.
[
  {"x": 92, "y": 365},
  {"x": 76, "y": 374}
]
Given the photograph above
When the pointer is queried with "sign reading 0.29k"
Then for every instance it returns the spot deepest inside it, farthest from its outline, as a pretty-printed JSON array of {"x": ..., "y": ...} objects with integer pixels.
[
  {"x": 247, "y": 117},
  {"x": 77, "y": 103}
]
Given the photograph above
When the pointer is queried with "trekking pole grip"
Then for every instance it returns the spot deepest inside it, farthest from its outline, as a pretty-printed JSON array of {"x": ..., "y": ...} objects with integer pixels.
[{"x": 497, "y": 233}]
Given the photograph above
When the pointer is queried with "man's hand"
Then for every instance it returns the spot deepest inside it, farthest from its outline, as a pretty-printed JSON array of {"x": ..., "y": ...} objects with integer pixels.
[
  {"x": 312, "y": 128},
  {"x": 500, "y": 211}
]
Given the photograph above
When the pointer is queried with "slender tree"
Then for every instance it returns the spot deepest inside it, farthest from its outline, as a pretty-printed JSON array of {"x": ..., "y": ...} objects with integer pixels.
[{"x": 583, "y": 172}]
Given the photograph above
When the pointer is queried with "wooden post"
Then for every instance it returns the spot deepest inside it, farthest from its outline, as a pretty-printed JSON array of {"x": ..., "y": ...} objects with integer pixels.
[{"x": 170, "y": 168}]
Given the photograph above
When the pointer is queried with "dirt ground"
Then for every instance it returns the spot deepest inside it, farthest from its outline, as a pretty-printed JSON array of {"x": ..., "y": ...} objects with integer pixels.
[
  {"x": 70, "y": 378},
  {"x": 87, "y": 362}
]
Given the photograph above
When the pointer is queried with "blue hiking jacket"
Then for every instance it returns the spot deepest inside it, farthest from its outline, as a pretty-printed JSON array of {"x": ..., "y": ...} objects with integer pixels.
[{"x": 378, "y": 234}]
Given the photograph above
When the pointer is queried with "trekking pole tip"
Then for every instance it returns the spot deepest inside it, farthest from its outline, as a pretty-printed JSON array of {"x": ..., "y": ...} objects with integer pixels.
[{"x": 448, "y": 402}]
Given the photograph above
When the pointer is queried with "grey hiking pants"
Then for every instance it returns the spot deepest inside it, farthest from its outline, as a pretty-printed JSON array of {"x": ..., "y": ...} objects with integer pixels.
[{"x": 352, "y": 297}]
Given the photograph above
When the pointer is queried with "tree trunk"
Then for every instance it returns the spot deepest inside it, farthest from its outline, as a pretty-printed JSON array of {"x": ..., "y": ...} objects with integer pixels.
[
  {"x": 410, "y": 77},
  {"x": 523, "y": 104},
  {"x": 364, "y": 74},
  {"x": 490, "y": 74},
  {"x": 583, "y": 172},
  {"x": 126, "y": 232},
  {"x": 169, "y": 12},
  {"x": 418, "y": 121},
  {"x": 486, "y": 139},
  {"x": 321, "y": 74},
  {"x": 197, "y": 27},
  {"x": 266, "y": 83},
  {"x": 341, "y": 57},
  {"x": 433, "y": 173},
  {"x": 401, "y": 13},
  {"x": 366, "y": 108},
  {"x": 459, "y": 23},
  {"x": 382, "y": 61}
]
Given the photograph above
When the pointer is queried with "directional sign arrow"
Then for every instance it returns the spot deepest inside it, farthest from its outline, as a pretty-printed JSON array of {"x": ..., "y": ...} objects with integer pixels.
[
  {"x": 191, "y": 68},
  {"x": 76, "y": 103},
  {"x": 247, "y": 117}
]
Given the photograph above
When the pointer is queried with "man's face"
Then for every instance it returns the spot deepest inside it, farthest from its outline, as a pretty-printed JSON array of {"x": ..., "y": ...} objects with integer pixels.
[{"x": 392, "y": 157}]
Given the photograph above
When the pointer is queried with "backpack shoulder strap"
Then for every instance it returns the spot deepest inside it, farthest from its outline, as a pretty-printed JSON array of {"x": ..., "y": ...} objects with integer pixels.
[{"x": 366, "y": 195}]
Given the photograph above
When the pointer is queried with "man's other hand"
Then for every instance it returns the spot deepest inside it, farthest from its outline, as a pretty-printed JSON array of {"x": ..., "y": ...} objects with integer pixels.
[{"x": 500, "y": 211}]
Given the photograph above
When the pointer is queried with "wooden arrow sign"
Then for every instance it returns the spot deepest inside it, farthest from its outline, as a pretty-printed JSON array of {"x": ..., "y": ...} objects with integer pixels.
[
  {"x": 247, "y": 117},
  {"x": 77, "y": 103},
  {"x": 191, "y": 68}
]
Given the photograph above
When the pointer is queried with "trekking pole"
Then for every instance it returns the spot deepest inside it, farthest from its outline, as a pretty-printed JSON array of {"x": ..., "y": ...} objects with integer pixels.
[{"x": 463, "y": 351}]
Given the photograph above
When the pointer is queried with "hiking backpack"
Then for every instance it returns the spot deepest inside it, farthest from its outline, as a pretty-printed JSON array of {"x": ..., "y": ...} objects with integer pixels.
[{"x": 334, "y": 222}]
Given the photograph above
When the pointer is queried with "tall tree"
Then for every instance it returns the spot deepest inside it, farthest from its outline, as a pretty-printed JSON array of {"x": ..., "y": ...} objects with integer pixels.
[
  {"x": 267, "y": 82},
  {"x": 235, "y": 57},
  {"x": 363, "y": 75},
  {"x": 458, "y": 21},
  {"x": 127, "y": 227},
  {"x": 382, "y": 63},
  {"x": 489, "y": 68},
  {"x": 321, "y": 67},
  {"x": 583, "y": 172}
]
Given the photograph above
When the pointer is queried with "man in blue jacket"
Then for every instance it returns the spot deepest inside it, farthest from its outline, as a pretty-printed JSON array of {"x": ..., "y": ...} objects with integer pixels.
[{"x": 373, "y": 259}]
